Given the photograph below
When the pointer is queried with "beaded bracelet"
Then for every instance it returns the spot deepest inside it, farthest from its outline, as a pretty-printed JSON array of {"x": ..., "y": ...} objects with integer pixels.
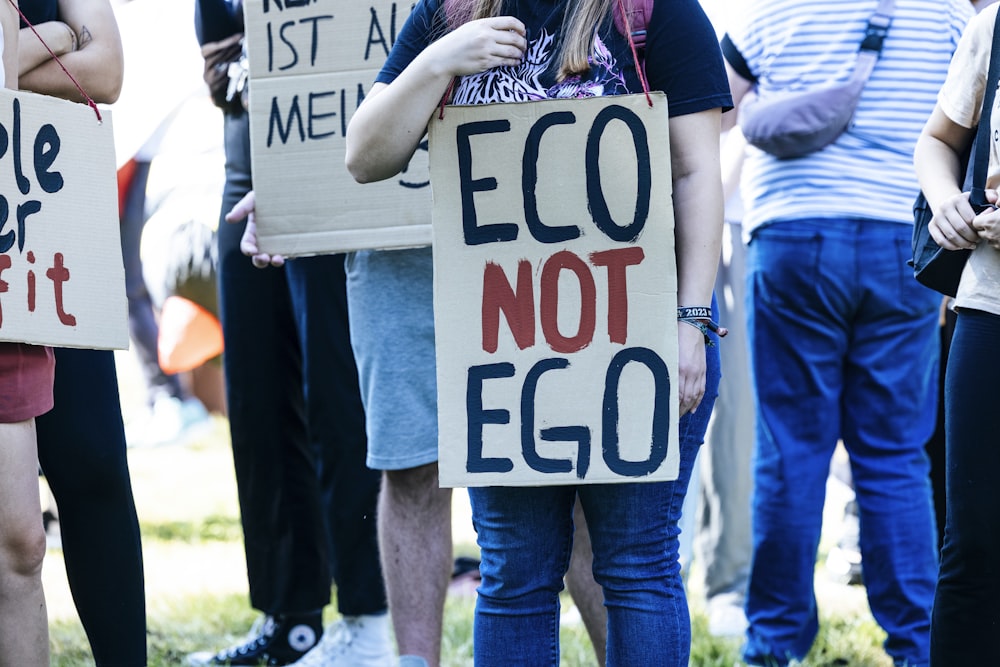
[{"x": 700, "y": 317}]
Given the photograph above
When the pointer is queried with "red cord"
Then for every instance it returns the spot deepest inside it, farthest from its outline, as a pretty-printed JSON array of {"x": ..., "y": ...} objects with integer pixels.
[
  {"x": 639, "y": 68},
  {"x": 90, "y": 101}
]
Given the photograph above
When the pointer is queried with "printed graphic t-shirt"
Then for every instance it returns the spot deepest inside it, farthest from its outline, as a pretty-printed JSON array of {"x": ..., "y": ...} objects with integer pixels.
[{"x": 682, "y": 58}]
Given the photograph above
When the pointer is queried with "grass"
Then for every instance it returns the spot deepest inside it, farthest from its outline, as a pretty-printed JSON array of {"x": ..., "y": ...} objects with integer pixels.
[{"x": 196, "y": 578}]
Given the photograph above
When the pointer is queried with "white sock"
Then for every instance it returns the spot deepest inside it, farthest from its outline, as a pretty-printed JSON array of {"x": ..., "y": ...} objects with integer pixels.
[{"x": 412, "y": 661}]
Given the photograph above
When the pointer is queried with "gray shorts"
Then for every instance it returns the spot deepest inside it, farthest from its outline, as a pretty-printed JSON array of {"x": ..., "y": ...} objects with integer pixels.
[{"x": 390, "y": 297}]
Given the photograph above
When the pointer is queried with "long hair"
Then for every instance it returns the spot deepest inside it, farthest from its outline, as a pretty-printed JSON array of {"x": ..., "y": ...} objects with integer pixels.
[{"x": 580, "y": 24}]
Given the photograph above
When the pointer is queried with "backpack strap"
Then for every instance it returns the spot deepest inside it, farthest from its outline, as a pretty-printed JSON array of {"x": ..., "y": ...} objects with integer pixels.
[
  {"x": 631, "y": 18},
  {"x": 981, "y": 152}
]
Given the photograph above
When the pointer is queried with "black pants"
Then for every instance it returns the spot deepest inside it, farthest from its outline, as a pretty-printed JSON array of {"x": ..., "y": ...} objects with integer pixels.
[
  {"x": 306, "y": 497},
  {"x": 967, "y": 602},
  {"x": 81, "y": 447}
]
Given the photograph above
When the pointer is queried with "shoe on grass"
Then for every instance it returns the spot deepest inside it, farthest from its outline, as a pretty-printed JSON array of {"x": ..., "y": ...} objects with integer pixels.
[
  {"x": 274, "y": 641},
  {"x": 354, "y": 641}
]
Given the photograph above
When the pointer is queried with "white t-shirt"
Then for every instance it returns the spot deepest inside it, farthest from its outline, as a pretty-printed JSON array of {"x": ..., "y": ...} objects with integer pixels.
[{"x": 961, "y": 99}]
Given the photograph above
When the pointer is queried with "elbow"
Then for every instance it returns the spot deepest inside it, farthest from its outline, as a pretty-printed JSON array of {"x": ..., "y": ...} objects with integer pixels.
[{"x": 363, "y": 171}]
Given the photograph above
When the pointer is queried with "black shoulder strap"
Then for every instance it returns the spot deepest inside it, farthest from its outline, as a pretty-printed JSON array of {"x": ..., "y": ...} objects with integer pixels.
[{"x": 981, "y": 153}]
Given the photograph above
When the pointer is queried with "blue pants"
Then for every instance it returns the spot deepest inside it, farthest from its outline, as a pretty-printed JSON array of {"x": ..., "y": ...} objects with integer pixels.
[
  {"x": 307, "y": 500},
  {"x": 525, "y": 537},
  {"x": 843, "y": 345},
  {"x": 967, "y": 602}
]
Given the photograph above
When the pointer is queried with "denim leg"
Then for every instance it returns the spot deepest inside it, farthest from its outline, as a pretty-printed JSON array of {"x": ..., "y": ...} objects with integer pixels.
[
  {"x": 796, "y": 345},
  {"x": 966, "y": 614},
  {"x": 828, "y": 301},
  {"x": 634, "y": 531},
  {"x": 525, "y": 536},
  {"x": 889, "y": 412}
]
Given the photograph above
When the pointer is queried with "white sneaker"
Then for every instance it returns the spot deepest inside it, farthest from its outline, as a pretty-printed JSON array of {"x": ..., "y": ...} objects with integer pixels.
[
  {"x": 169, "y": 421},
  {"x": 354, "y": 641},
  {"x": 727, "y": 620}
]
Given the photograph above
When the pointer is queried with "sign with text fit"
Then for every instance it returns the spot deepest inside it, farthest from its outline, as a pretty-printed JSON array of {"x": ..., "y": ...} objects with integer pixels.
[
  {"x": 61, "y": 276},
  {"x": 555, "y": 292},
  {"x": 311, "y": 63}
]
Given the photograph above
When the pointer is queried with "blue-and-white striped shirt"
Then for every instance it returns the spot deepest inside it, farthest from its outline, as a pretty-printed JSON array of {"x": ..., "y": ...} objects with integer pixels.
[{"x": 803, "y": 44}]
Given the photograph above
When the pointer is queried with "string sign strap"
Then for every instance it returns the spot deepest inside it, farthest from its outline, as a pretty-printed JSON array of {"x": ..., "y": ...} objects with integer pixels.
[
  {"x": 640, "y": 65},
  {"x": 90, "y": 102}
]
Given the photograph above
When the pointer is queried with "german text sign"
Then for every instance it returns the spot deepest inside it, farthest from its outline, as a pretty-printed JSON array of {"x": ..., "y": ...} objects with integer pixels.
[
  {"x": 555, "y": 292},
  {"x": 311, "y": 63},
  {"x": 61, "y": 276}
]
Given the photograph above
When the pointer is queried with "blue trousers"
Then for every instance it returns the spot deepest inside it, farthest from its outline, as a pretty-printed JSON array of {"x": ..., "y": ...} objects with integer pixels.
[
  {"x": 967, "y": 601},
  {"x": 307, "y": 500},
  {"x": 843, "y": 346},
  {"x": 525, "y": 537}
]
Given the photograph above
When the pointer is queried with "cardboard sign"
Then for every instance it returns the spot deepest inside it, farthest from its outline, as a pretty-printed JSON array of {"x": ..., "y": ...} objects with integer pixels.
[
  {"x": 555, "y": 293},
  {"x": 311, "y": 63},
  {"x": 61, "y": 276}
]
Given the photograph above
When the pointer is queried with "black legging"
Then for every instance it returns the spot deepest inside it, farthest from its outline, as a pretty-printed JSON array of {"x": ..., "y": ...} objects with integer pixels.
[
  {"x": 967, "y": 602},
  {"x": 81, "y": 447}
]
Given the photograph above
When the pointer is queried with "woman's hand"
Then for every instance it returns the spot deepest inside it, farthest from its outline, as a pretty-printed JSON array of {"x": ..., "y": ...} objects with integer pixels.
[
  {"x": 478, "y": 45},
  {"x": 245, "y": 209},
  {"x": 691, "y": 366},
  {"x": 987, "y": 223},
  {"x": 951, "y": 227}
]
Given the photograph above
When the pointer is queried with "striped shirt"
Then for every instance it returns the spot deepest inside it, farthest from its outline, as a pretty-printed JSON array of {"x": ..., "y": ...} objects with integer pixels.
[{"x": 867, "y": 172}]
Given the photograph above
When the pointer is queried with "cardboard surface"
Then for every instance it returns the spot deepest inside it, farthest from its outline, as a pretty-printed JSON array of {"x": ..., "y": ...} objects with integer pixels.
[
  {"x": 555, "y": 292},
  {"x": 311, "y": 63},
  {"x": 61, "y": 276}
]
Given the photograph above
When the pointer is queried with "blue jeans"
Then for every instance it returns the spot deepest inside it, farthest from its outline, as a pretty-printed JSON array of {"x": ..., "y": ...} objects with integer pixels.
[
  {"x": 966, "y": 608},
  {"x": 525, "y": 536},
  {"x": 843, "y": 345}
]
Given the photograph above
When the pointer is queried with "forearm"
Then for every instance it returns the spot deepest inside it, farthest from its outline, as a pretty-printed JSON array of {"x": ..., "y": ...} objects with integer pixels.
[
  {"x": 97, "y": 64},
  {"x": 32, "y": 52},
  {"x": 698, "y": 207},
  {"x": 391, "y": 122}
]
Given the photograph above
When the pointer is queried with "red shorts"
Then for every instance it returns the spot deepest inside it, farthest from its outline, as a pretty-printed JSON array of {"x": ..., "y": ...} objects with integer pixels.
[{"x": 26, "y": 376}]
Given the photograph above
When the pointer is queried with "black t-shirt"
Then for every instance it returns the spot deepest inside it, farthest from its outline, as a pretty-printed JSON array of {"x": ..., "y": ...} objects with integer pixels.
[
  {"x": 39, "y": 11},
  {"x": 682, "y": 58}
]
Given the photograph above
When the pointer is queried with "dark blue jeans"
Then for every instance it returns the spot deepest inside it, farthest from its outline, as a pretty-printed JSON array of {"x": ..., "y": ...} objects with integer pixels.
[
  {"x": 844, "y": 345},
  {"x": 967, "y": 603},
  {"x": 526, "y": 534},
  {"x": 307, "y": 500}
]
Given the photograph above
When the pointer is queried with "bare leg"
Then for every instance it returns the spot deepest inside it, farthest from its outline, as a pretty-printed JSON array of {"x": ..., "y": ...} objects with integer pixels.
[
  {"x": 414, "y": 530},
  {"x": 587, "y": 593},
  {"x": 24, "y": 631}
]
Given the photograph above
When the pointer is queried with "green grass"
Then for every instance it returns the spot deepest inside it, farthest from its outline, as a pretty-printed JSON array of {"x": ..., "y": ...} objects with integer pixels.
[
  {"x": 213, "y": 621},
  {"x": 196, "y": 586}
]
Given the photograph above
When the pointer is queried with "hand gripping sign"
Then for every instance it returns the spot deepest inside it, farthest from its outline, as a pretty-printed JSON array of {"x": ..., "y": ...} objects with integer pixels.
[
  {"x": 61, "y": 276},
  {"x": 555, "y": 292}
]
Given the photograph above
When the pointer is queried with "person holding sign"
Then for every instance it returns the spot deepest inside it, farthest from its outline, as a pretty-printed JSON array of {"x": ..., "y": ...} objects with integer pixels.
[
  {"x": 26, "y": 378},
  {"x": 522, "y": 50},
  {"x": 86, "y": 468}
]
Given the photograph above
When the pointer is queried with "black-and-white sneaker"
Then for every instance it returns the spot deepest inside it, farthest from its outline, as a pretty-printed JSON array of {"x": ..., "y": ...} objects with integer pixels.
[{"x": 272, "y": 641}]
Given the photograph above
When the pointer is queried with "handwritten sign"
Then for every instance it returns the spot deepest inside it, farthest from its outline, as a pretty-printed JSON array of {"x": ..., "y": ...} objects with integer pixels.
[
  {"x": 311, "y": 63},
  {"x": 61, "y": 276},
  {"x": 555, "y": 293}
]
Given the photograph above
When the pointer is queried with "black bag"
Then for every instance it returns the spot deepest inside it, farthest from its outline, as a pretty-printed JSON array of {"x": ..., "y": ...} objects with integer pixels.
[{"x": 933, "y": 266}]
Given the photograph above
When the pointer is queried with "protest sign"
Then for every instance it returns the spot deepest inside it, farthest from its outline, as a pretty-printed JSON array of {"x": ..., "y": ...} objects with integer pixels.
[
  {"x": 555, "y": 292},
  {"x": 61, "y": 276},
  {"x": 311, "y": 63}
]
